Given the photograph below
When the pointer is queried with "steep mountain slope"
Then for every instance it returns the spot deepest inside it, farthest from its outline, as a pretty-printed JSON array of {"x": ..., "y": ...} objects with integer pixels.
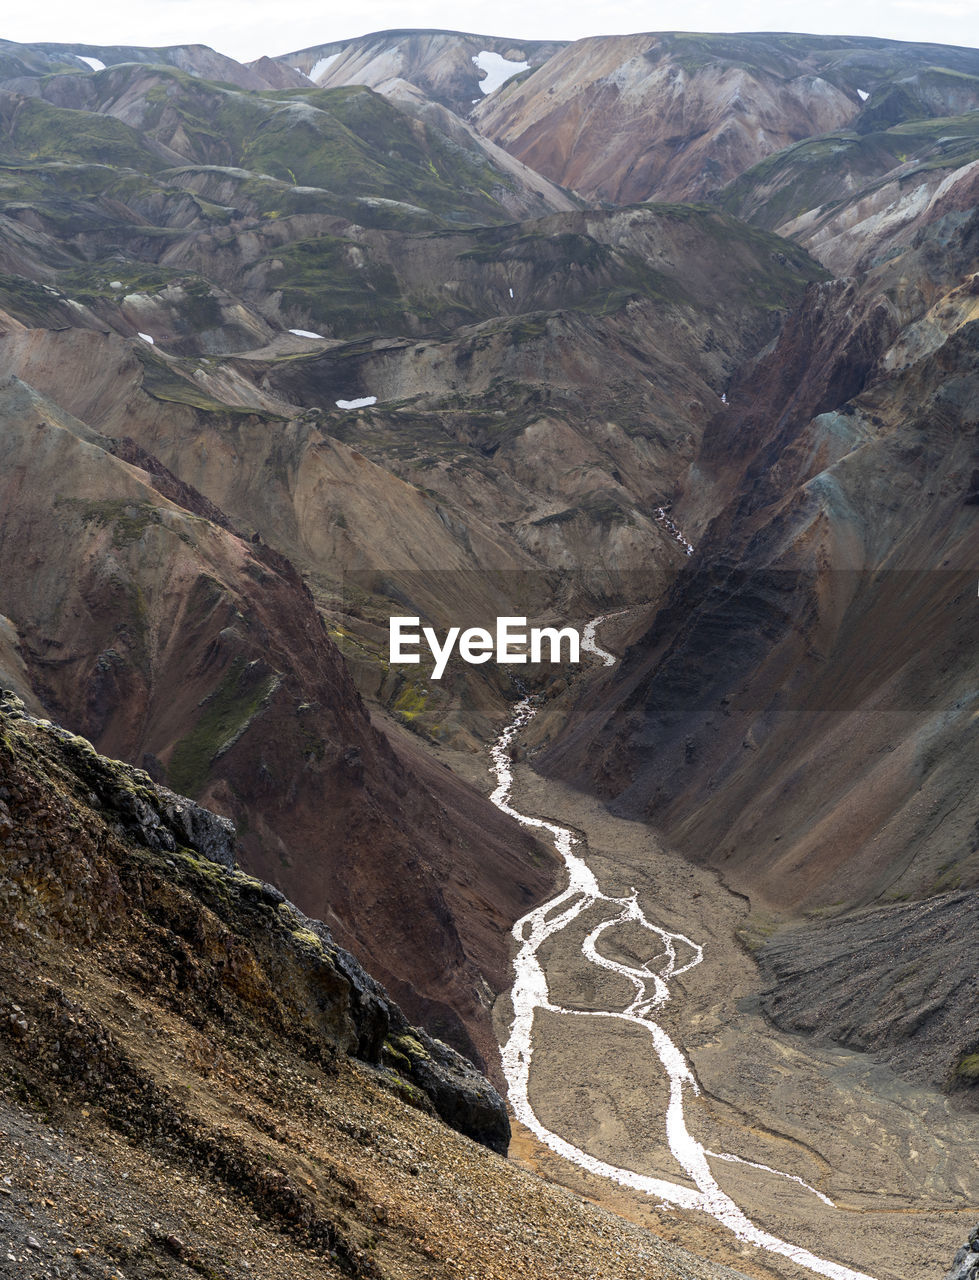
[
  {"x": 171, "y": 641},
  {"x": 802, "y": 713},
  {"x": 675, "y": 116},
  {"x": 855, "y": 198},
  {"x": 195, "y": 1080},
  {"x": 440, "y": 65},
  {"x": 503, "y": 438}
]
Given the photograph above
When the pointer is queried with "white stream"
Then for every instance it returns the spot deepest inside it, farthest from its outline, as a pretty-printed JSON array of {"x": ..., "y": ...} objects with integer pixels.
[{"x": 674, "y": 955}]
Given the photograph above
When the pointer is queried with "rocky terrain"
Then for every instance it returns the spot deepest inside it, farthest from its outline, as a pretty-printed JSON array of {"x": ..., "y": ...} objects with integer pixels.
[
  {"x": 162, "y": 236},
  {"x": 403, "y": 325},
  {"x": 196, "y": 1080}
]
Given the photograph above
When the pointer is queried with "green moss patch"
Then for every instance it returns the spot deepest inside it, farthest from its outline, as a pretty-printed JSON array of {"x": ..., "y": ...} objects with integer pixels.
[{"x": 224, "y": 714}]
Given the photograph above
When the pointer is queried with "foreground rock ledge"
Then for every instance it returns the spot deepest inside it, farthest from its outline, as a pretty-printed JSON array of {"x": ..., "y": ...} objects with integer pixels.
[{"x": 91, "y": 848}]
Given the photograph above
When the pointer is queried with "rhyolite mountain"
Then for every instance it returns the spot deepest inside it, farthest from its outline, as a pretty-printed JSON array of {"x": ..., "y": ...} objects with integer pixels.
[{"x": 199, "y": 260}]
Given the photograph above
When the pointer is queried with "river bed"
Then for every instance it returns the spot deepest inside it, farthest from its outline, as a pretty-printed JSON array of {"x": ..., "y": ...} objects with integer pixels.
[{"x": 632, "y": 1053}]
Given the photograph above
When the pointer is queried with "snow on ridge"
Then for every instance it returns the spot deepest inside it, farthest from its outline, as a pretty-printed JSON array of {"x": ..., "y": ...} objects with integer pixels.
[
  {"x": 95, "y": 63},
  {"x": 498, "y": 69},
  {"x": 305, "y": 333},
  {"x": 357, "y": 404},
  {"x": 146, "y": 338},
  {"x": 863, "y": 95},
  {"x": 322, "y": 66}
]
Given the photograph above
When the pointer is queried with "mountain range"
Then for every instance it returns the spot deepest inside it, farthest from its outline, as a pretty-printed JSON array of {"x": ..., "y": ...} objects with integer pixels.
[{"x": 674, "y": 327}]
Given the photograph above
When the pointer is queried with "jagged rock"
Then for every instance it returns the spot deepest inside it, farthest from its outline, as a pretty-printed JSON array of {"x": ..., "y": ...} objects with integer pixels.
[
  {"x": 249, "y": 940},
  {"x": 461, "y": 1096},
  {"x": 210, "y": 834},
  {"x": 155, "y": 816},
  {"x": 966, "y": 1263},
  {"x": 459, "y": 1093}
]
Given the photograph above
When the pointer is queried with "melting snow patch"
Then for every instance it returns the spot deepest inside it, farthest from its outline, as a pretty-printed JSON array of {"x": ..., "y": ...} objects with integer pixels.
[
  {"x": 95, "y": 63},
  {"x": 498, "y": 70},
  {"x": 323, "y": 66},
  {"x": 357, "y": 404},
  {"x": 511, "y": 293},
  {"x": 146, "y": 338},
  {"x": 863, "y": 95},
  {"x": 305, "y": 333}
]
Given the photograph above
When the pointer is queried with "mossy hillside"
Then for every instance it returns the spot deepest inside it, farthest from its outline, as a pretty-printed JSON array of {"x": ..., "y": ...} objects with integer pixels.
[
  {"x": 850, "y": 62},
  {"x": 350, "y": 142},
  {"x": 556, "y": 270},
  {"x": 430, "y": 169},
  {"x": 330, "y": 282},
  {"x": 128, "y": 521},
  {"x": 936, "y": 92},
  {"x": 32, "y": 303},
  {"x": 94, "y": 201},
  {"x": 223, "y": 715},
  {"x": 310, "y": 146},
  {"x": 32, "y": 129},
  {"x": 93, "y": 282},
  {"x": 162, "y": 380},
  {"x": 345, "y": 289},
  {"x": 766, "y": 53},
  {"x": 346, "y": 152},
  {"x": 808, "y": 175}
]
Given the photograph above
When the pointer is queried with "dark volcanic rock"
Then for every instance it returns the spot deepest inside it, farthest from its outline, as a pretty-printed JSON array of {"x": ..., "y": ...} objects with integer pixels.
[
  {"x": 966, "y": 1264},
  {"x": 148, "y": 813}
]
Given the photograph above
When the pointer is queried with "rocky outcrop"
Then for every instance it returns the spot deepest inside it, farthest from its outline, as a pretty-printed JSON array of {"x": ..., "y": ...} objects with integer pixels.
[
  {"x": 52, "y": 782},
  {"x": 965, "y": 1265},
  {"x": 138, "y": 808}
]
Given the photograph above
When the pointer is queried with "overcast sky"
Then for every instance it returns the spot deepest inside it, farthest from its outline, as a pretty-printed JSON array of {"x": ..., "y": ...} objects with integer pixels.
[{"x": 245, "y": 29}]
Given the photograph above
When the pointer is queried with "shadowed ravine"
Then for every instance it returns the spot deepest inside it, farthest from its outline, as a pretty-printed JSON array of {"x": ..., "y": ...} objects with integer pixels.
[{"x": 675, "y": 954}]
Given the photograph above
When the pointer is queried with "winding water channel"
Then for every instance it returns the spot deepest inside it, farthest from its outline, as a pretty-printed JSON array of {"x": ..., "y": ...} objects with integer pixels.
[{"x": 675, "y": 954}]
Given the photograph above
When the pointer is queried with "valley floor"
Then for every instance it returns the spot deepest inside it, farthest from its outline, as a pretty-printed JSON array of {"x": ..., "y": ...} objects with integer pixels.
[{"x": 896, "y": 1160}]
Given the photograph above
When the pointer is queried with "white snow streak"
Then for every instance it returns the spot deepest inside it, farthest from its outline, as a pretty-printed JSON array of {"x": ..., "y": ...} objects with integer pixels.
[
  {"x": 95, "y": 63},
  {"x": 498, "y": 70},
  {"x": 322, "y": 67},
  {"x": 146, "y": 338},
  {"x": 305, "y": 333},
  {"x": 357, "y": 404},
  {"x": 863, "y": 95}
]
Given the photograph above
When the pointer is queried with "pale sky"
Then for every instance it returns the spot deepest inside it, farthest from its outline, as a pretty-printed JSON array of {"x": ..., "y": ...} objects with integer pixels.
[{"x": 246, "y": 29}]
